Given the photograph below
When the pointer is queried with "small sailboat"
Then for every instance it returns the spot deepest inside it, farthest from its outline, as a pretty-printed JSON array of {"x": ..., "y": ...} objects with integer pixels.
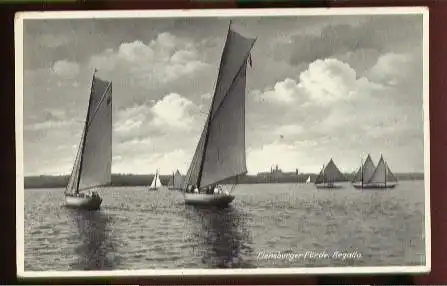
[
  {"x": 329, "y": 175},
  {"x": 92, "y": 166},
  {"x": 370, "y": 177},
  {"x": 308, "y": 180},
  {"x": 220, "y": 153},
  {"x": 176, "y": 181},
  {"x": 156, "y": 183}
]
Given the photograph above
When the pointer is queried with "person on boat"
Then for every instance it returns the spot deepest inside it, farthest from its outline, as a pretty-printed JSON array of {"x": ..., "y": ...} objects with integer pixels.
[
  {"x": 209, "y": 190},
  {"x": 196, "y": 190},
  {"x": 189, "y": 189},
  {"x": 216, "y": 190}
]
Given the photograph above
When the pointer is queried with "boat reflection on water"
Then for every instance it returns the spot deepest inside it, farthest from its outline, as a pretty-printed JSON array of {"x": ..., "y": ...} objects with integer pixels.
[
  {"x": 223, "y": 240},
  {"x": 95, "y": 250}
]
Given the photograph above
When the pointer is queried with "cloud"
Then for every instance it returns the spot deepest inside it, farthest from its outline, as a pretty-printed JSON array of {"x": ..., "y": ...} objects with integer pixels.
[
  {"x": 329, "y": 91},
  {"x": 66, "y": 69},
  {"x": 389, "y": 68},
  {"x": 149, "y": 162},
  {"x": 323, "y": 82},
  {"x": 164, "y": 59},
  {"x": 330, "y": 108},
  {"x": 173, "y": 111},
  {"x": 284, "y": 92},
  {"x": 372, "y": 33}
]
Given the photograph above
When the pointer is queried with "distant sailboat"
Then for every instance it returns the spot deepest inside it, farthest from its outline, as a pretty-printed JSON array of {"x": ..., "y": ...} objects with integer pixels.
[
  {"x": 92, "y": 166},
  {"x": 370, "y": 177},
  {"x": 329, "y": 175},
  {"x": 176, "y": 181},
  {"x": 220, "y": 153},
  {"x": 308, "y": 180},
  {"x": 156, "y": 183}
]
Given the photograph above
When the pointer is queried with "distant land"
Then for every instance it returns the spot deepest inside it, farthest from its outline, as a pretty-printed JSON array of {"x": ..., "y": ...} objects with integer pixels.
[{"x": 35, "y": 182}]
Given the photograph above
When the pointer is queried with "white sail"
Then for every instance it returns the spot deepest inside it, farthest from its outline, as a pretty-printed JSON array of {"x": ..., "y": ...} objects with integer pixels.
[
  {"x": 92, "y": 166},
  {"x": 308, "y": 180},
  {"x": 220, "y": 153},
  {"x": 156, "y": 183}
]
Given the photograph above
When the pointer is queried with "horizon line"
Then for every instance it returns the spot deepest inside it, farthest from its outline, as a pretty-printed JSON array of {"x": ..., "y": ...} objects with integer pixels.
[{"x": 248, "y": 174}]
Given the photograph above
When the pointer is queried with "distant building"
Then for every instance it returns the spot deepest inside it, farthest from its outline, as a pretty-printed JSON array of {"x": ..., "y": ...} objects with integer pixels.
[{"x": 277, "y": 175}]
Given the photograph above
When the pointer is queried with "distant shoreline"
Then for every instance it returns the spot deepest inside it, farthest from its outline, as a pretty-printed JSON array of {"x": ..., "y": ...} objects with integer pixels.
[{"x": 129, "y": 180}]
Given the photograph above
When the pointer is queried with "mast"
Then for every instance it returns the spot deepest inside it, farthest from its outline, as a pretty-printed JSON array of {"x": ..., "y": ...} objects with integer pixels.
[
  {"x": 211, "y": 113},
  {"x": 322, "y": 173},
  {"x": 386, "y": 167},
  {"x": 208, "y": 121},
  {"x": 85, "y": 133},
  {"x": 362, "y": 170}
]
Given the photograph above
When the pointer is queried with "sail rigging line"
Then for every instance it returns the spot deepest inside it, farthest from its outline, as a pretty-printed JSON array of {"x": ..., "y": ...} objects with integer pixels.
[
  {"x": 218, "y": 108},
  {"x": 87, "y": 125}
]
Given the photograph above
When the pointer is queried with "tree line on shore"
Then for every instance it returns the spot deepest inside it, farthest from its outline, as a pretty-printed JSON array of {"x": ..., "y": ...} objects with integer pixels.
[{"x": 34, "y": 182}]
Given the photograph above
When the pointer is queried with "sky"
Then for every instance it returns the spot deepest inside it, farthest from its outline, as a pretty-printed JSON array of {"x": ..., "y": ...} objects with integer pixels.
[{"x": 320, "y": 87}]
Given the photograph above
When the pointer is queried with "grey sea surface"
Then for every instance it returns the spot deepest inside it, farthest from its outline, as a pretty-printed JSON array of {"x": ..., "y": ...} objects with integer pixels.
[{"x": 267, "y": 225}]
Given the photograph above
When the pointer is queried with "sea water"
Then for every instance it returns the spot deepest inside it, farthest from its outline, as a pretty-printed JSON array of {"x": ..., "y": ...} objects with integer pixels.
[{"x": 267, "y": 225}]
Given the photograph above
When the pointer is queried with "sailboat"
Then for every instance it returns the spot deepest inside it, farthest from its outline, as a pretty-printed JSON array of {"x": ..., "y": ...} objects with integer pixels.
[
  {"x": 220, "y": 153},
  {"x": 92, "y": 166},
  {"x": 176, "y": 181},
  {"x": 380, "y": 177},
  {"x": 329, "y": 175},
  {"x": 156, "y": 183},
  {"x": 308, "y": 180}
]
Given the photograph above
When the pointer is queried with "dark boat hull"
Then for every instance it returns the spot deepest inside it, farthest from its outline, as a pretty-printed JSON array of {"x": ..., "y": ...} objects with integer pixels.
[
  {"x": 221, "y": 200},
  {"x": 85, "y": 202},
  {"x": 374, "y": 186},
  {"x": 333, "y": 186}
]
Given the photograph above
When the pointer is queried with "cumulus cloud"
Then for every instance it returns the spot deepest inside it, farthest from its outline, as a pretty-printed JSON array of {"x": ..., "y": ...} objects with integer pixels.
[
  {"x": 173, "y": 111},
  {"x": 323, "y": 82},
  {"x": 341, "y": 112},
  {"x": 164, "y": 59},
  {"x": 66, "y": 69},
  {"x": 335, "y": 91}
]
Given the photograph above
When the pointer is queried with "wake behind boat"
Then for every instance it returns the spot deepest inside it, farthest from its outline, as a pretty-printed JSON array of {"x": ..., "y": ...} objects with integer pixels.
[
  {"x": 220, "y": 153},
  {"x": 92, "y": 167},
  {"x": 370, "y": 177},
  {"x": 329, "y": 176}
]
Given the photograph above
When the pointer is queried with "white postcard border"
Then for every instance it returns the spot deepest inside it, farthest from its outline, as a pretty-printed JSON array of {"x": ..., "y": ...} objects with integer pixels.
[{"x": 18, "y": 42}]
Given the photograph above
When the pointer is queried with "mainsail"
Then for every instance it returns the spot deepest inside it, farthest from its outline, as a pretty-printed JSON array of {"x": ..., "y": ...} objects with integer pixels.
[
  {"x": 382, "y": 174},
  {"x": 220, "y": 153},
  {"x": 156, "y": 181},
  {"x": 330, "y": 174},
  {"x": 92, "y": 167},
  {"x": 365, "y": 171}
]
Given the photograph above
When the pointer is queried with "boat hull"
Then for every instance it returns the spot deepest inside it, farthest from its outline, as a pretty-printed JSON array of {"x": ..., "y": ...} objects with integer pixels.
[
  {"x": 208, "y": 199},
  {"x": 325, "y": 186},
  {"x": 374, "y": 186},
  {"x": 87, "y": 202}
]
